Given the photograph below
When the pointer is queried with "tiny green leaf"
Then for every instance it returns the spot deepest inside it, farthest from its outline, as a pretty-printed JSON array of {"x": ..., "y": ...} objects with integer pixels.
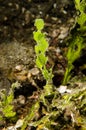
[
  {"x": 8, "y": 111},
  {"x": 40, "y": 49},
  {"x": 39, "y": 23}
]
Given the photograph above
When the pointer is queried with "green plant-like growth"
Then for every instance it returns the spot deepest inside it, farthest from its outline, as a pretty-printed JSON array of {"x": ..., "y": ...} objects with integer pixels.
[
  {"x": 73, "y": 53},
  {"x": 41, "y": 61},
  {"x": 40, "y": 49},
  {"x": 41, "y": 58},
  {"x": 77, "y": 41},
  {"x": 59, "y": 109},
  {"x": 6, "y": 103},
  {"x": 47, "y": 110},
  {"x": 81, "y": 7}
]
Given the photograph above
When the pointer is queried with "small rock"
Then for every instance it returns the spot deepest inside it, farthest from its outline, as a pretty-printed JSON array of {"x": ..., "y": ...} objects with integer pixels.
[
  {"x": 11, "y": 128},
  {"x": 64, "y": 32},
  {"x": 34, "y": 71},
  {"x": 58, "y": 50},
  {"x": 19, "y": 123},
  {"x": 21, "y": 99},
  {"x": 62, "y": 89},
  {"x": 19, "y": 67}
]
